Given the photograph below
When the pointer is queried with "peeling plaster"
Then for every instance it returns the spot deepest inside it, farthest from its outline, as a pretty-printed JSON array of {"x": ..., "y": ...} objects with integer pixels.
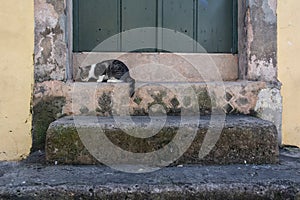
[
  {"x": 262, "y": 69},
  {"x": 261, "y": 40}
]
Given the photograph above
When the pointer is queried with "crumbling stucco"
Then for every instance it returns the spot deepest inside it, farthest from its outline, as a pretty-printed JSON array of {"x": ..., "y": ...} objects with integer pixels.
[
  {"x": 261, "y": 29},
  {"x": 50, "y": 43}
]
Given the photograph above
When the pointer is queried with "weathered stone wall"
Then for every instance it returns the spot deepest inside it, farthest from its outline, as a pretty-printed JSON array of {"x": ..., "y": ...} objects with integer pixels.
[
  {"x": 261, "y": 40},
  {"x": 257, "y": 31},
  {"x": 257, "y": 40},
  {"x": 54, "y": 99},
  {"x": 257, "y": 62},
  {"x": 50, "y": 41}
]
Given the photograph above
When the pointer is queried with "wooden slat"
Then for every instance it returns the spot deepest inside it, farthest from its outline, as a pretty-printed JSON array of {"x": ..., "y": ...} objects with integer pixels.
[
  {"x": 178, "y": 16},
  {"x": 209, "y": 22},
  {"x": 96, "y": 20},
  {"x": 138, "y": 14},
  {"x": 214, "y": 30}
]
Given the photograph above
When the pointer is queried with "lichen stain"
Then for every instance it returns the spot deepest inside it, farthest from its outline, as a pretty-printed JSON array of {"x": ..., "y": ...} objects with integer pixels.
[{"x": 105, "y": 104}]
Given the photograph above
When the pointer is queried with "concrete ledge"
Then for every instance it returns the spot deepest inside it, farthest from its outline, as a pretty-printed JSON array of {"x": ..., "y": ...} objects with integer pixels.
[
  {"x": 140, "y": 192},
  {"x": 243, "y": 139},
  {"x": 31, "y": 180},
  {"x": 191, "y": 66}
]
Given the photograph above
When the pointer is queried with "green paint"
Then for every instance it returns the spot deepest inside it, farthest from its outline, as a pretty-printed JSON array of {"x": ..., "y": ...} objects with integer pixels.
[{"x": 213, "y": 26}]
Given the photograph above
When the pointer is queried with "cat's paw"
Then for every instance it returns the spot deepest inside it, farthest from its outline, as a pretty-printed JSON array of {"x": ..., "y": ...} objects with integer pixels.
[
  {"x": 100, "y": 79},
  {"x": 114, "y": 81}
]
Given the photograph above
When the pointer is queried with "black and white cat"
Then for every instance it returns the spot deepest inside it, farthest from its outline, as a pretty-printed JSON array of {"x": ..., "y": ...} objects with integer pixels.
[{"x": 112, "y": 71}]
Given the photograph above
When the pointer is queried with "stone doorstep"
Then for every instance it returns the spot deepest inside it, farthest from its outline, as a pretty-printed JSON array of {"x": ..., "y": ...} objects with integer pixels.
[
  {"x": 105, "y": 99},
  {"x": 243, "y": 139},
  {"x": 170, "y": 98},
  {"x": 30, "y": 179}
]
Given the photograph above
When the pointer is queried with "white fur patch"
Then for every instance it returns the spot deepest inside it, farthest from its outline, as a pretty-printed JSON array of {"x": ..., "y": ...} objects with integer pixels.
[
  {"x": 100, "y": 79},
  {"x": 114, "y": 81},
  {"x": 91, "y": 72}
]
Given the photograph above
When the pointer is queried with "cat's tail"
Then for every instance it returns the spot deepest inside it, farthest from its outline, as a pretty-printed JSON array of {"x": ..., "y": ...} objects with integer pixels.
[
  {"x": 128, "y": 79},
  {"x": 131, "y": 87}
]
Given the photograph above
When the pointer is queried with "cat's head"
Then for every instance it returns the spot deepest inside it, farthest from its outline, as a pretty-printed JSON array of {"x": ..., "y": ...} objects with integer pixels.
[{"x": 83, "y": 73}]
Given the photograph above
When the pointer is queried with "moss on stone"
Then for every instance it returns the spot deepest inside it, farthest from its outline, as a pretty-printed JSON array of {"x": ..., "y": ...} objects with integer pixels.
[
  {"x": 205, "y": 101},
  {"x": 45, "y": 112},
  {"x": 66, "y": 147},
  {"x": 138, "y": 100},
  {"x": 105, "y": 104}
]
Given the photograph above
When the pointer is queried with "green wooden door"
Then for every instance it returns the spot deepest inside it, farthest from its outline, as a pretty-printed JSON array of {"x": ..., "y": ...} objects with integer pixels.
[{"x": 212, "y": 23}]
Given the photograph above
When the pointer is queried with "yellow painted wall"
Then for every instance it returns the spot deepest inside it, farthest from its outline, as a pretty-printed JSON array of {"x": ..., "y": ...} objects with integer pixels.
[
  {"x": 289, "y": 68},
  {"x": 16, "y": 77}
]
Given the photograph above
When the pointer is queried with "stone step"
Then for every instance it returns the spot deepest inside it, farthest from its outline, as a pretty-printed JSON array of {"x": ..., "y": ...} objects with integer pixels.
[
  {"x": 158, "y": 141},
  {"x": 55, "y": 99},
  {"x": 106, "y": 99},
  {"x": 34, "y": 181}
]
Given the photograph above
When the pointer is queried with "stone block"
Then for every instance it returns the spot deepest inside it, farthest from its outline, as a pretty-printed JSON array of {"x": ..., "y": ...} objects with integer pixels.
[{"x": 161, "y": 141}]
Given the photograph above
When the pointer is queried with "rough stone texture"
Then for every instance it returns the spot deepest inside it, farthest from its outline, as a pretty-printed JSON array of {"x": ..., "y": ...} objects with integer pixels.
[
  {"x": 32, "y": 180},
  {"x": 44, "y": 112},
  {"x": 54, "y": 99},
  {"x": 261, "y": 34},
  {"x": 257, "y": 62},
  {"x": 48, "y": 105},
  {"x": 105, "y": 99},
  {"x": 50, "y": 43},
  {"x": 243, "y": 139},
  {"x": 269, "y": 107}
]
